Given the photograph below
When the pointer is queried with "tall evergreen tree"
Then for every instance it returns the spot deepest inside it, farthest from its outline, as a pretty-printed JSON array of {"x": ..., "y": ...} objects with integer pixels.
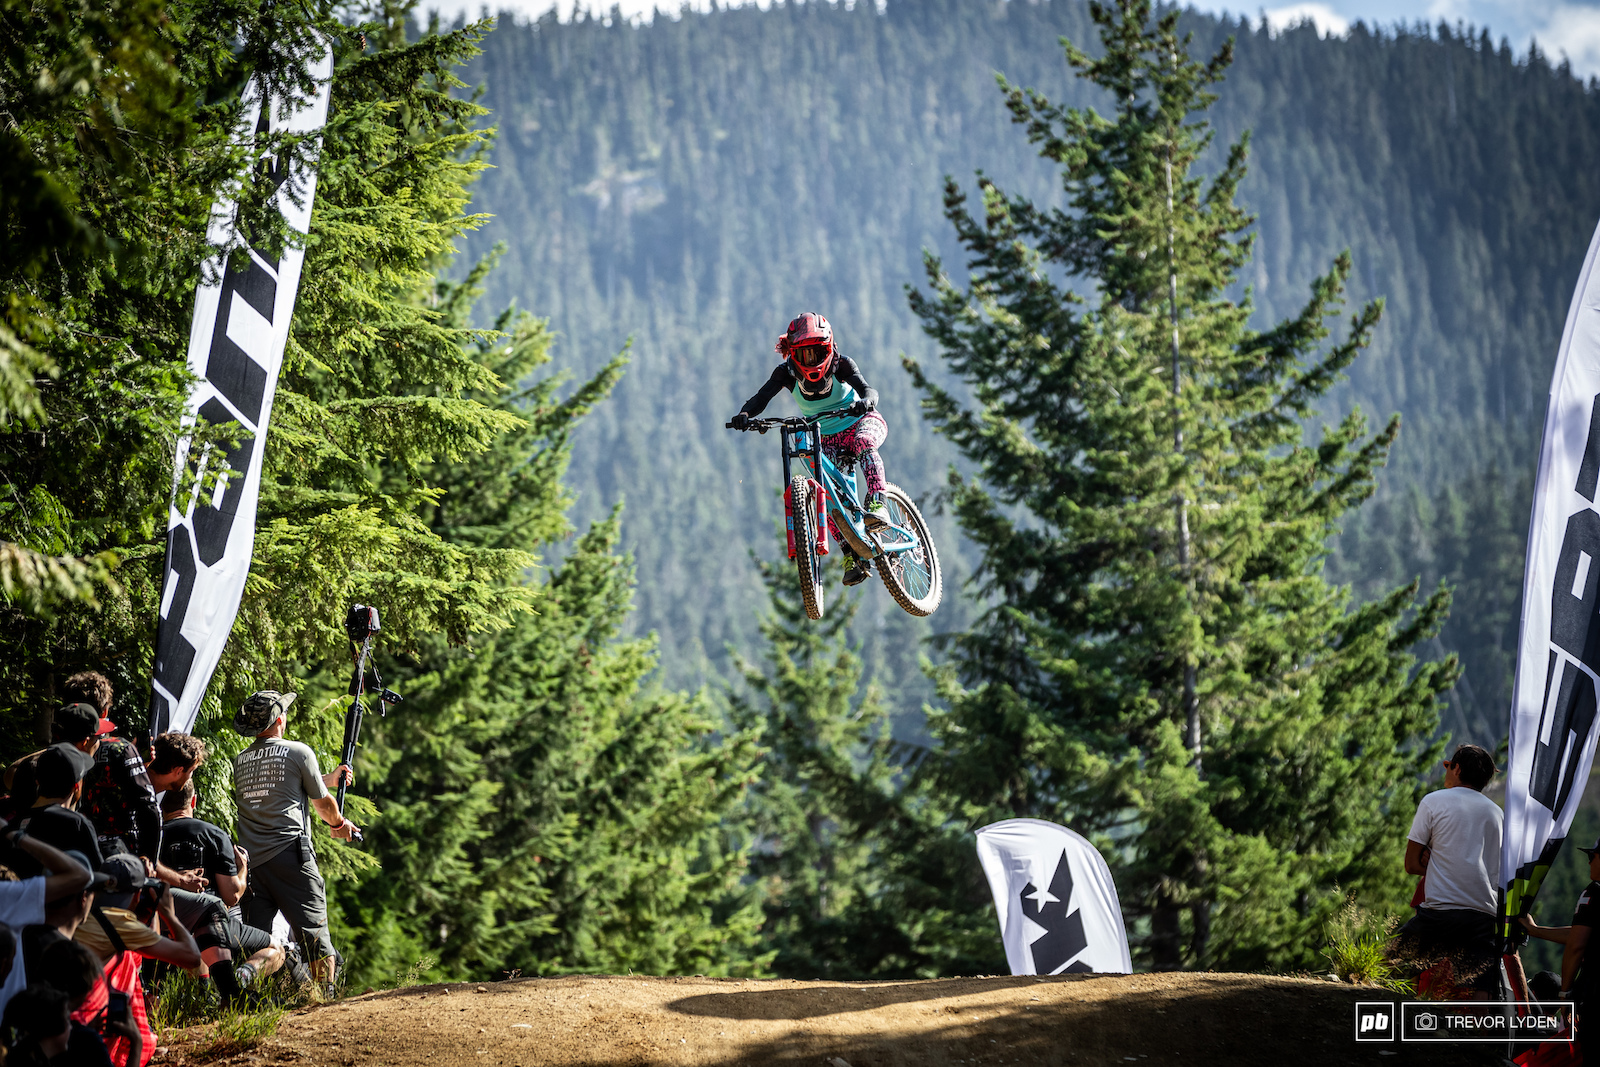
[
  {"x": 376, "y": 385},
  {"x": 862, "y": 874},
  {"x": 827, "y": 781},
  {"x": 540, "y": 812},
  {"x": 1163, "y": 664}
]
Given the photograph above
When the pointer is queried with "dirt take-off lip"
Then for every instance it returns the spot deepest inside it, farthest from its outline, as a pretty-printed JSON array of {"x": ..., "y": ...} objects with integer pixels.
[{"x": 1236, "y": 1020}]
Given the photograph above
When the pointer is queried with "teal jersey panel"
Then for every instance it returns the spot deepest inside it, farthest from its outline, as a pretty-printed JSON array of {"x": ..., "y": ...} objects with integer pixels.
[{"x": 838, "y": 399}]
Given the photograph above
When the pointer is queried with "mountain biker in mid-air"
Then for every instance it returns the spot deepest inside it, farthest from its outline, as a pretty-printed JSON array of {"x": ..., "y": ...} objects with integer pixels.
[{"x": 826, "y": 383}]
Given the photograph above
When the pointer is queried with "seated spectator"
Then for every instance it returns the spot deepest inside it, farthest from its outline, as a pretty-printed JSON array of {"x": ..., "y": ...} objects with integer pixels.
[
  {"x": 75, "y": 724},
  {"x": 59, "y": 774},
  {"x": 62, "y": 915},
  {"x": 129, "y": 905},
  {"x": 42, "y": 1022},
  {"x": 1455, "y": 842},
  {"x": 75, "y": 971},
  {"x": 119, "y": 794},
  {"x": 190, "y": 844},
  {"x": 23, "y": 903}
]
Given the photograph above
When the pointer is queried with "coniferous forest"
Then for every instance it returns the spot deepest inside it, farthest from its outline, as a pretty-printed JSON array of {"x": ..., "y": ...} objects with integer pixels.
[
  {"x": 692, "y": 184},
  {"x": 547, "y": 262}
]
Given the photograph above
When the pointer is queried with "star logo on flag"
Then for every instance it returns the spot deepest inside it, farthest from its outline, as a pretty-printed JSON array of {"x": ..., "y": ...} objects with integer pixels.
[{"x": 1063, "y": 936}]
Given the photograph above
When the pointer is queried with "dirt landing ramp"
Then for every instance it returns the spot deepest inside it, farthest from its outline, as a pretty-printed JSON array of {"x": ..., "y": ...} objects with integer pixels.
[{"x": 1178, "y": 1019}]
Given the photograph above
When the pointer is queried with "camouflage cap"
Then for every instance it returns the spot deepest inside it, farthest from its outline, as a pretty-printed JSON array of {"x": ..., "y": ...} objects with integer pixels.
[{"x": 259, "y": 710}]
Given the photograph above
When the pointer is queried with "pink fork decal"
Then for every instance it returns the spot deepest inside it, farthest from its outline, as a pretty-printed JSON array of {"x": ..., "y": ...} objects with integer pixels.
[{"x": 788, "y": 516}]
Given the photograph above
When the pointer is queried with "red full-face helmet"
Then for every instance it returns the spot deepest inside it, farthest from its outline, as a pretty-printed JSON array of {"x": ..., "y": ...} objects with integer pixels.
[{"x": 808, "y": 346}]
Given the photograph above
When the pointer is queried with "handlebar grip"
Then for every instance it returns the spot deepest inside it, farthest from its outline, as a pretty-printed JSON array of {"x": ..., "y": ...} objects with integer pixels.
[{"x": 727, "y": 426}]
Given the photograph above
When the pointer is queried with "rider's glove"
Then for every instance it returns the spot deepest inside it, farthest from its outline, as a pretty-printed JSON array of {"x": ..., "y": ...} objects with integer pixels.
[
  {"x": 740, "y": 421},
  {"x": 859, "y": 408}
]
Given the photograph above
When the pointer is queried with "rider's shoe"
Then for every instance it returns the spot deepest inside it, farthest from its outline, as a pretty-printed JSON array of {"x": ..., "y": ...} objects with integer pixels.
[
  {"x": 877, "y": 514},
  {"x": 859, "y": 572}
]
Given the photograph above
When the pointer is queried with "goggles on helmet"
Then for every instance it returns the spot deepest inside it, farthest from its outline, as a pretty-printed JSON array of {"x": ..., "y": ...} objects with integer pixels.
[{"x": 810, "y": 355}]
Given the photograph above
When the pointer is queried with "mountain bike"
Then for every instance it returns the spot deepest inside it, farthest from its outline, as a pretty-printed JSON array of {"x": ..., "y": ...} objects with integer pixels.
[{"x": 903, "y": 551}]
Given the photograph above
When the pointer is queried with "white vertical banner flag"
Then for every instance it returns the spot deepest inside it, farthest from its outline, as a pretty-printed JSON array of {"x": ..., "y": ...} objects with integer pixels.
[
  {"x": 1058, "y": 907},
  {"x": 1558, "y": 655},
  {"x": 241, "y": 324}
]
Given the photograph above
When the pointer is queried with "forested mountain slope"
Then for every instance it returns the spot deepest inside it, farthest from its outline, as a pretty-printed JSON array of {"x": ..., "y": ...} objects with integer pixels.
[{"x": 692, "y": 184}]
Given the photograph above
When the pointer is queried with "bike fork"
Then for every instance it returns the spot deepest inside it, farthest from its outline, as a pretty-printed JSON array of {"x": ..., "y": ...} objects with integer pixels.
[{"x": 788, "y": 514}]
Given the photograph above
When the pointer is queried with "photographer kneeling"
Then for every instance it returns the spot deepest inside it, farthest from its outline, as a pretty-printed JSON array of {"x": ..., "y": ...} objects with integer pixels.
[{"x": 121, "y": 930}]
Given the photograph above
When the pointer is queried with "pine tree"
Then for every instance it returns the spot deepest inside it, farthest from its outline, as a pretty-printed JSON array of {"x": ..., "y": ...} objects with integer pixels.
[
  {"x": 543, "y": 813},
  {"x": 1163, "y": 665},
  {"x": 863, "y": 875},
  {"x": 827, "y": 781},
  {"x": 540, "y": 812},
  {"x": 376, "y": 386}
]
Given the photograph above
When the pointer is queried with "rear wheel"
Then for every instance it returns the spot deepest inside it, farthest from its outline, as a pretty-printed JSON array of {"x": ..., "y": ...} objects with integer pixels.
[
  {"x": 803, "y": 492},
  {"x": 912, "y": 577}
]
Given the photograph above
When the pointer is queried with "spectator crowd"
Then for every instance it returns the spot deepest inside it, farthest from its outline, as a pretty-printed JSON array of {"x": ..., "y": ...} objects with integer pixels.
[{"x": 110, "y": 878}]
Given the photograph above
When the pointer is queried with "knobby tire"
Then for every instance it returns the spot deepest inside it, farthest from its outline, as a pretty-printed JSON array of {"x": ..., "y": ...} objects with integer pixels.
[
  {"x": 913, "y": 579},
  {"x": 806, "y": 564}
]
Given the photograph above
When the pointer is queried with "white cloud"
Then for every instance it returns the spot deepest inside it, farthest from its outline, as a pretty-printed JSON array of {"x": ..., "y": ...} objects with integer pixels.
[
  {"x": 1574, "y": 32},
  {"x": 1562, "y": 27},
  {"x": 1327, "y": 21}
]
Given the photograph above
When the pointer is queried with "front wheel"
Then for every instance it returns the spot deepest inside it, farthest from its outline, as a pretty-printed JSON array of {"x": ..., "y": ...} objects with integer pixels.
[
  {"x": 803, "y": 498},
  {"x": 912, "y": 577}
]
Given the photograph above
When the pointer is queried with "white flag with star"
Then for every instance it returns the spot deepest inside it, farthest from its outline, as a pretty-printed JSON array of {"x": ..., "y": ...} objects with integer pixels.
[{"x": 1053, "y": 894}]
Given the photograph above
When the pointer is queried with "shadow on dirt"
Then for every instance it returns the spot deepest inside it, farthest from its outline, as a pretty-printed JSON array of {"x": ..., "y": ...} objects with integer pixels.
[
  {"x": 834, "y": 999},
  {"x": 1228, "y": 1023}
]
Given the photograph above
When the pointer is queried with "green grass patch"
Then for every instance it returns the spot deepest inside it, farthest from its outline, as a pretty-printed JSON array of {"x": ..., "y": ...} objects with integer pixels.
[{"x": 1355, "y": 949}]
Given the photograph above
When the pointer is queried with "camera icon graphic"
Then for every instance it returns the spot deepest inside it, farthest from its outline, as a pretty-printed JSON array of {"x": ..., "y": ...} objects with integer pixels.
[{"x": 1426, "y": 1021}]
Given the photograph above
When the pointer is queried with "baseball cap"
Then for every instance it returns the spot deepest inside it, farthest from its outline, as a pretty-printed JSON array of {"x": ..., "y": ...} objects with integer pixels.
[
  {"x": 259, "y": 709},
  {"x": 1591, "y": 850},
  {"x": 127, "y": 877},
  {"x": 60, "y": 767},
  {"x": 78, "y": 722}
]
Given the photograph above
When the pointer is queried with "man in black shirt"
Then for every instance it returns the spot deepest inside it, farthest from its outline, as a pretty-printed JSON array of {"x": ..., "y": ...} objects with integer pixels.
[
  {"x": 59, "y": 775},
  {"x": 1576, "y": 985},
  {"x": 189, "y": 844}
]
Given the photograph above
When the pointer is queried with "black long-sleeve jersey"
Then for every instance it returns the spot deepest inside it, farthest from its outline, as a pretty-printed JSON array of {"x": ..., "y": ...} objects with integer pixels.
[{"x": 784, "y": 378}]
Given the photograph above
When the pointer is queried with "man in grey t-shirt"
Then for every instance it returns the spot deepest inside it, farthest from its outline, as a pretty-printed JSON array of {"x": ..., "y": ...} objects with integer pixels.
[{"x": 278, "y": 784}]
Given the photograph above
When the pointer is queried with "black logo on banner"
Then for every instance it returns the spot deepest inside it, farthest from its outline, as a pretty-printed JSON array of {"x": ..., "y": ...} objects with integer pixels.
[
  {"x": 1569, "y": 719},
  {"x": 1063, "y": 928},
  {"x": 201, "y": 536}
]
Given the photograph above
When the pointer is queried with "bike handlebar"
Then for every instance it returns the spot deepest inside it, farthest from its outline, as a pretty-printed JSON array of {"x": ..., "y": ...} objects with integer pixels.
[{"x": 793, "y": 423}]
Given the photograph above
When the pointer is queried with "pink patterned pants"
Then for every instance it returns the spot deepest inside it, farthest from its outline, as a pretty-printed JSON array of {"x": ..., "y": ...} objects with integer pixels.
[{"x": 859, "y": 444}]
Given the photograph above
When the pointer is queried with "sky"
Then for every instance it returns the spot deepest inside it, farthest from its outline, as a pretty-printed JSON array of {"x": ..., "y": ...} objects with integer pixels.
[{"x": 1569, "y": 28}]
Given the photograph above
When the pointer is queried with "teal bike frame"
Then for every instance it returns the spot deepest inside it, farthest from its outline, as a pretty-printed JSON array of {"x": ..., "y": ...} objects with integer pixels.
[{"x": 838, "y": 495}]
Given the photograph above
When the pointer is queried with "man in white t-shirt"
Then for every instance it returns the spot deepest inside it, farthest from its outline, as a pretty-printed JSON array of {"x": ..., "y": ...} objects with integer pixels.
[{"x": 1455, "y": 844}]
